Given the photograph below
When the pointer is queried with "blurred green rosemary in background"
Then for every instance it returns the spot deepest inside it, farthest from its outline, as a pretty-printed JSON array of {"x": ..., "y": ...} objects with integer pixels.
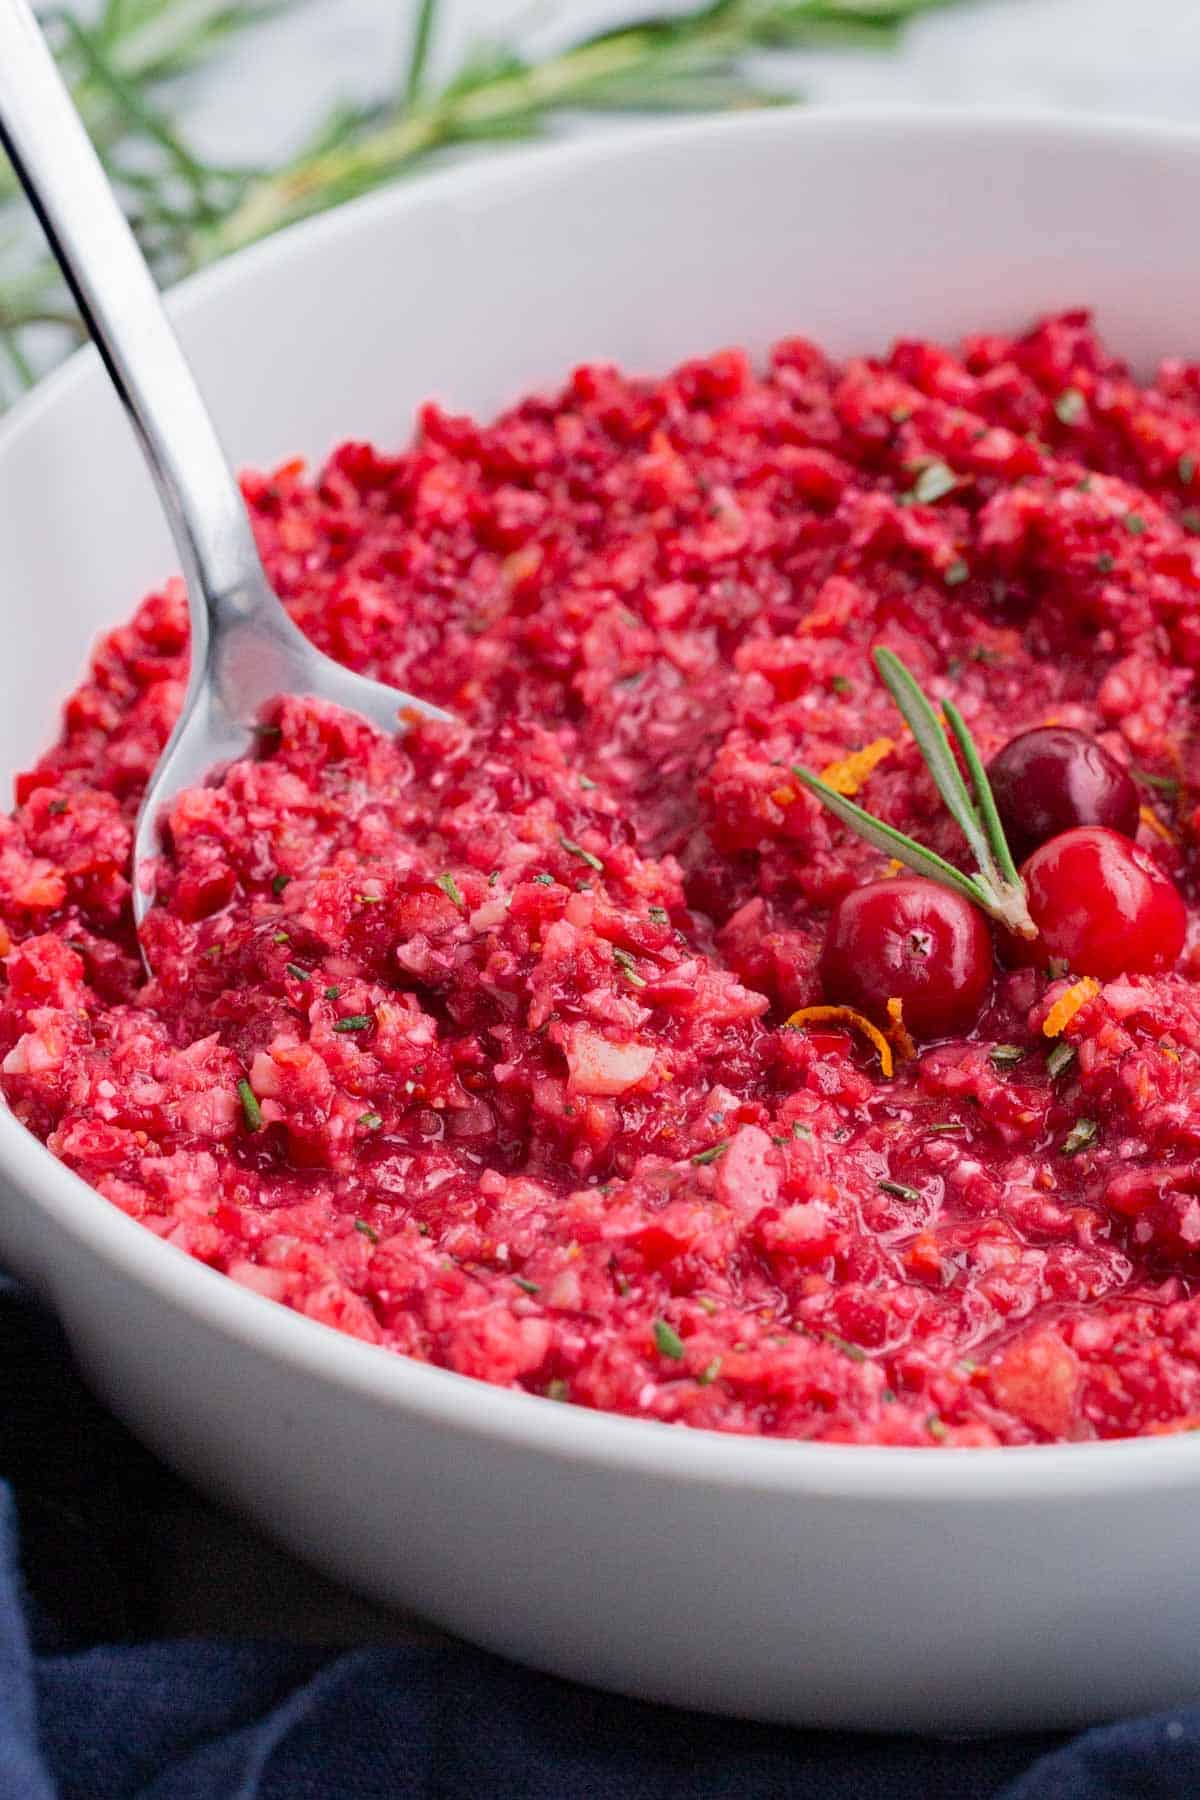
[{"x": 125, "y": 67}]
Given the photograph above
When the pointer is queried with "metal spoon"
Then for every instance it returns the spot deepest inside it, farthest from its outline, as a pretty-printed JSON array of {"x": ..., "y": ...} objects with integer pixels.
[{"x": 245, "y": 649}]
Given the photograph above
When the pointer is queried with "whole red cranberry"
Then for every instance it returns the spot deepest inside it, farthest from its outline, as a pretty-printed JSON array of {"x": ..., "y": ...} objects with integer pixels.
[
  {"x": 1050, "y": 780},
  {"x": 1102, "y": 906},
  {"x": 911, "y": 940}
]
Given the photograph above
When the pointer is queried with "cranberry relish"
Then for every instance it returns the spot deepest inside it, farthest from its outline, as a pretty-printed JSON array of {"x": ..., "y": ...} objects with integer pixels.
[{"x": 474, "y": 1044}]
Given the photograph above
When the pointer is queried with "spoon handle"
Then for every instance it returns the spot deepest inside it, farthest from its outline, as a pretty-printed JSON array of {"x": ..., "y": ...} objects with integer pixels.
[{"x": 62, "y": 175}]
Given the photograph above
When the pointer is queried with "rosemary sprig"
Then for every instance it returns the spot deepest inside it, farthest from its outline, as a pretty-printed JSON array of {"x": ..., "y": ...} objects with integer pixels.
[
  {"x": 996, "y": 886},
  {"x": 188, "y": 211},
  {"x": 658, "y": 65}
]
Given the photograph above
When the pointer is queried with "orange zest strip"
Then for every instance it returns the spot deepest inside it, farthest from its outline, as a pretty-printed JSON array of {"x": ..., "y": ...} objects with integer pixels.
[
  {"x": 1152, "y": 821},
  {"x": 899, "y": 1033},
  {"x": 847, "y": 776},
  {"x": 1068, "y": 1004},
  {"x": 846, "y": 1015}
]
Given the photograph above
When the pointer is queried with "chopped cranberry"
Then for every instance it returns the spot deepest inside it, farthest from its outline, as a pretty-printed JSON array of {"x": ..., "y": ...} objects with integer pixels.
[
  {"x": 205, "y": 891},
  {"x": 1102, "y": 906},
  {"x": 1050, "y": 780},
  {"x": 911, "y": 940}
]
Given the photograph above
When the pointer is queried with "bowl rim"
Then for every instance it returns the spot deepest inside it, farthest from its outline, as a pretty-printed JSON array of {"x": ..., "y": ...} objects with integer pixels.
[{"x": 506, "y": 1417}]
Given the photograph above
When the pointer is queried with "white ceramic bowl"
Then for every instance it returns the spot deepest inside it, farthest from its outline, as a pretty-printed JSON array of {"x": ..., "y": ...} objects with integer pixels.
[{"x": 928, "y": 1590}]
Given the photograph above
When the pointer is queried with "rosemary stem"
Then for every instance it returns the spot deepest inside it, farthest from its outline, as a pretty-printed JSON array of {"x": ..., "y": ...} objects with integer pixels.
[{"x": 281, "y": 199}]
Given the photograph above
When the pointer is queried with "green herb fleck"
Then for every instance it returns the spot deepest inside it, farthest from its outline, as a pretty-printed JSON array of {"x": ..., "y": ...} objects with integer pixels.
[
  {"x": 1105, "y": 564},
  {"x": 557, "y": 1389},
  {"x": 574, "y": 849},
  {"x": 1082, "y": 1133},
  {"x": 944, "y": 1128},
  {"x": 898, "y": 1188},
  {"x": 331, "y": 993},
  {"x": 660, "y": 915},
  {"x": 586, "y": 783},
  {"x": 956, "y": 574},
  {"x": 1068, "y": 408},
  {"x": 841, "y": 685},
  {"x": 1166, "y": 784},
  {"x": 1190, "y": 520},
  {"x": 668, "y": 1340},
  {"x": 355, "y": 1022},
  {"x": 1060, "y": 1060},
  {"x": 370, "y": 1121},
  {"x": 1187, "y": 469},
  {"x": 251, "y": 1110},
  {"x": 900, "y": 415},
  {"x": 936, "y": 1427},
  {"x": 1135, "y": 524},
  {"x": 1085, "y": 486},
  {"x": 707, "y": 1304},
  {"x": 933, "y": 483},
  {"x": 1057, "y": 967},
  {"x": 449, "y": 887},
  {"x": 888, "y": 1397},
  {"x": 709, "y": 1373},
  {"x": 299, "y": 973},
  {"x": 544, "y": 880},
  {"x": 280, "y": 937},
  {"x": 527, "y": 1287},
  {"x": 711, "y": 1154},
  {"x": 57, "y": 807},
  {"x": 279, "y": 882},
  {"x": 1006, "y": 1056},
  {"x": 802, "y": 1131},
  {"x": 628, "y": 967},
  {"x": 368, "y": 1231},
  {"x": 853, "y": 1351}
]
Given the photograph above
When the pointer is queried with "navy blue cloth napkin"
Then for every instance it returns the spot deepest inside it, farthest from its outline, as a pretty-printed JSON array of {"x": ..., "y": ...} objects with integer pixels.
[{"x": 95, "y": 1704}]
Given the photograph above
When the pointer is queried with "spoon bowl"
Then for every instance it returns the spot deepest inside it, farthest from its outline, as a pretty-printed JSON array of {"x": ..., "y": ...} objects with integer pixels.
[{"x": 252, "y": 659}]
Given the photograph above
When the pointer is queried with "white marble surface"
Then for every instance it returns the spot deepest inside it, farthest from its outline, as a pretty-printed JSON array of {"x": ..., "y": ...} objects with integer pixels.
[{"x": 1127, "y": 56}]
